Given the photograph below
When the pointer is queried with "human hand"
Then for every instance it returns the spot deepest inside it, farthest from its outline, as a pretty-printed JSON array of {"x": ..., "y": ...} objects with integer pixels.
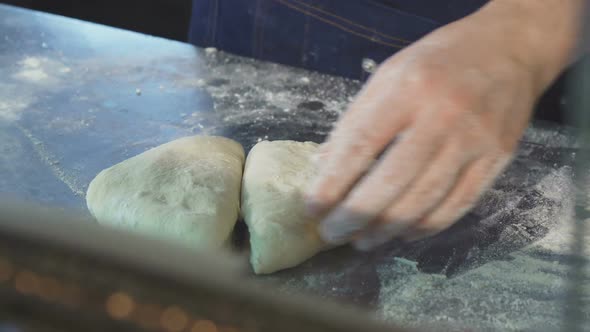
[{"x": 456, "y": 103}]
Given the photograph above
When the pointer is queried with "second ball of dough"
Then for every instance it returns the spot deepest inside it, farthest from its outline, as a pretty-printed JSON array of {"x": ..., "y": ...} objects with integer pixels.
[{"x": 275, "y": 179}]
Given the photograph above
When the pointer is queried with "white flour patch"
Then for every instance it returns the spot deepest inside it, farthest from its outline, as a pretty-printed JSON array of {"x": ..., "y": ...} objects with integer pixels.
[
  {"x": 31, "y": 62},
  {"x": 40, "y": 70},
  {"x": 32, "y": 75},
  {"x": 558, "y": 186},
  {"x": 10, "y": 110},
  {"x": 550, "y": 137},
  {"x": 31, "y": 70},
  {"x": 522, "y": 293},
  {"x": 13, "y": 102}
]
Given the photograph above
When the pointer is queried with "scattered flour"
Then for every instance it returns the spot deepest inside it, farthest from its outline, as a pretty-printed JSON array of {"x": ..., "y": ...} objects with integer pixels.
[
  {"x": 525, "y": 290},
  {"x": 10, "y": 110},
  {"x": 40, "y": 70},
  {"x": 53, "y": 163},
  {"x": 520, "y": 293},
  {"x": 33, "y": 76},
  {"x": 549, "y": 136},
  {"x": 13, "y": 101},
  {"x": 305, "y": 100},
  {"x": 31, "y": 62},
  {"x": 521, "y": 290},
  {"x": 210, "y": 50},
  {"x": 31, "y": 70}
]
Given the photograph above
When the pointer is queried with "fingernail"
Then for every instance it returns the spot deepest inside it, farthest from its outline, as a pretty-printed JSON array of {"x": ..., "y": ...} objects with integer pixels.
[
  {"x": 312, "y": 208},
  {"x": 339, "y": 227},
  {"x": 364, "y": 244},
  {"x": 372, "y": 240}
]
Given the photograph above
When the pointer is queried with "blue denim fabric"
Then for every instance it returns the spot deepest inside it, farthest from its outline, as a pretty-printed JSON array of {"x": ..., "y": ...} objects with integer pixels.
[{"x": 330, "y": 36}]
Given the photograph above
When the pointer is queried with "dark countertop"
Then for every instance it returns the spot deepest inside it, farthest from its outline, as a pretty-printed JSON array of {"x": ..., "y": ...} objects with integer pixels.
[{"x": 76, "y": 97}]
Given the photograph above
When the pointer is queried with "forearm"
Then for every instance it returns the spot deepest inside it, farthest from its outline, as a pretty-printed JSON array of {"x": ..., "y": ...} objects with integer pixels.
[{"x": 542, "y": 34}]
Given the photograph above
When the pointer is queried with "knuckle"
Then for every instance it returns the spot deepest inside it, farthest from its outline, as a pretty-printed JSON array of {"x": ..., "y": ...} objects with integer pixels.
[
  {"x": 460, "y": 99},
  {"x": 361, "y": 150},
  {"x": 406, "y": 211},
  {"x": 364, "y": 134},
  {"x": 355, "y": 138},
  {"x": 449, "y": 117},
  {"x": 414, "y": 207},
  {"x": 456, "y": 107},
  {"x": 425, "y": 75},
  {"x": 397, "y": 216},
  {"x": 407, "y": 217},
  {"x": 323, "y": 192}
]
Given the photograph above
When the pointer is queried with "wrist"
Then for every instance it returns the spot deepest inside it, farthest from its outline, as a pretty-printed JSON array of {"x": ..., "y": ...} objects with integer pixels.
[{"x": 539, "y": 36}]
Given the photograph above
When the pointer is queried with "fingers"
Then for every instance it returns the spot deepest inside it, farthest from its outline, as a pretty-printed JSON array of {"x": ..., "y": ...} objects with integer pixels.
[
  {"x": 378, "y": 234},
  {"x": 359, "y": 137},
  {"x": 391, "y": 175},
  {"x": 476, "y": 179},
  {"x": 422, "y": 196}
]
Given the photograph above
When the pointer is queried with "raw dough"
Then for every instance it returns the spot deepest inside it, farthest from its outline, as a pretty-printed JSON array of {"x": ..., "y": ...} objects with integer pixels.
[
  {"x": 187, "y": 190},
  {"x": 275, "y": 179}
]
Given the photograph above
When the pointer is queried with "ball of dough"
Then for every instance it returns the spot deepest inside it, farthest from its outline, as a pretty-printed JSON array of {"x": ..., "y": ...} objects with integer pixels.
[
  {"x": 187, "y": 190},
  {"x": 276, "y": 176}
]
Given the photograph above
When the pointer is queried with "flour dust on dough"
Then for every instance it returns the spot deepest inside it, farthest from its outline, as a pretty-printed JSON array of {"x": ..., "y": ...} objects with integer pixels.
[
  {"x": 187, "y": 190},
  {"x": 275, "y": 179}
]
